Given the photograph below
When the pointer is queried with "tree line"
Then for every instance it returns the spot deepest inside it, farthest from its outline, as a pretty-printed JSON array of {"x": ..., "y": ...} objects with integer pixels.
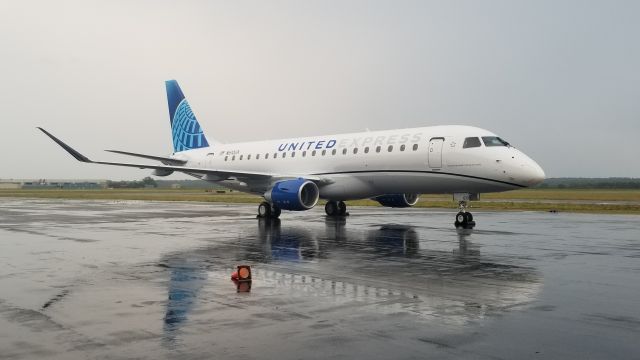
[
  {"x": 135, "y": 184},
  {"x": 591, "y": 183}
]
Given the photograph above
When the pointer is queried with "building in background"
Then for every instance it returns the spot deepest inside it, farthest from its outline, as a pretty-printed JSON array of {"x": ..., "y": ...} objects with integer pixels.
[
  {"x": 52, "y": 184},
  {"x": 10, "y": 184}
]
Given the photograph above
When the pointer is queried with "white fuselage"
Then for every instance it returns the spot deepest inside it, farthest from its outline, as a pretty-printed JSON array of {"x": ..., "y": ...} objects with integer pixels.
[{"x": 368, "y": 164}]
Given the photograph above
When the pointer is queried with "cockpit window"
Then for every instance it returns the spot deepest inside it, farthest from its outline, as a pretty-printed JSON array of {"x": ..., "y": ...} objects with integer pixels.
[
  {"x": 494, "y": 141},
  {"x": 471, "y": 142}
]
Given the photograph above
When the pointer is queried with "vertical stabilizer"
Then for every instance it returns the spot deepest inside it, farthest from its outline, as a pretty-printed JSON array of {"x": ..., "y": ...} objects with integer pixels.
[{"x": 186, "y": 132}]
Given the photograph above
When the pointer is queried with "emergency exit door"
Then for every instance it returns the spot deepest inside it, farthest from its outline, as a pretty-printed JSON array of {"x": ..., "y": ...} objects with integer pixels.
[{"x": 435, "y": 152}]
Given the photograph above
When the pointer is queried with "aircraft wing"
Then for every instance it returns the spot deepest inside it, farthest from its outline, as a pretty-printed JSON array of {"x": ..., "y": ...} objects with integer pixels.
[{"x": 210, "y": 174}]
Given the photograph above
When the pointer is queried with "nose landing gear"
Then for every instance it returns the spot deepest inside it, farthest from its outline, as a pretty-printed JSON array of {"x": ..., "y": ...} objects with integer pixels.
[
  {"x": 464, "y": 219},
  {"x": 266, "y": 210}
]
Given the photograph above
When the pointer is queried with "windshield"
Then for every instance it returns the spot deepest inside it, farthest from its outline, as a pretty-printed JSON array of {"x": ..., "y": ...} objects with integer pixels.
[{"x": 494, "y": 141}]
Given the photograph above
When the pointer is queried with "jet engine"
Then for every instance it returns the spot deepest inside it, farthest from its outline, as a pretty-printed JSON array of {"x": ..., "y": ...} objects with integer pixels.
[
  {"x": 397, "y": 200},
  {"x": 162, "y": 172},
  {"x": 296, "y": 194}
]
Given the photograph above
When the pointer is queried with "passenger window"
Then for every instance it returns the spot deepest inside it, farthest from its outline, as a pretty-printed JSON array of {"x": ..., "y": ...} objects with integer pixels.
[
  {"x": 324, "y": 152},
  {"x": 304, "y": 153},
  {"x": 313, "y": 153},
  {"x": 284, "y": 155},
  {"x": 378, "y": 149},
  {"x": 275, "y": 155},
  {"x": 344, "y": 151},
  {"x": 257, "y": 156},
  {"x": 233, "y": 157},
  {"x": 390, "y": 148},
  {"x": 293, "y": 154},
  {"x": 333, "y": 152},
  {"x": 366, "y": 150},
  {"x": 415, "y": 147},
  {"x": 471, "y": 142},
  {"x": 226, "y": 157},
  {"x": 355, "y": 150},
  {"x": 402, "y": 147},
  {"x": 241, "y": 157},
  {"x": 249, "y": 157}
]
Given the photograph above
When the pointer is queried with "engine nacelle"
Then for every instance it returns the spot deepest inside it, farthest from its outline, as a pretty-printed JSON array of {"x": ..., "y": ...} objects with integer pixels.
[
  {"x": 162, "y": 172},
  {"x": 297, "y": 194},
  {"x": 397, "y": 200}
]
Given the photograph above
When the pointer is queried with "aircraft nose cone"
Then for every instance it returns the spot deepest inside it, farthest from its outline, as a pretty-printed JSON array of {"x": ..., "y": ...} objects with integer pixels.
[
  {"x": 538, "y": 174},
  {"x": 534, "y": 173}
]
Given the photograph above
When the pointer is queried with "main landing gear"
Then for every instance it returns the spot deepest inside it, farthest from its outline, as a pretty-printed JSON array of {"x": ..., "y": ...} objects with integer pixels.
[
  {"x": 464, "y": 219},
  {"x": 266, "y": 210},
  {"x": 336, "y": 208}
]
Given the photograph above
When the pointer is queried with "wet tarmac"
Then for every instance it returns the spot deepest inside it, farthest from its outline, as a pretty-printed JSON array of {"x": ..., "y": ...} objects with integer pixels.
[{"x": 130, "y": 279}]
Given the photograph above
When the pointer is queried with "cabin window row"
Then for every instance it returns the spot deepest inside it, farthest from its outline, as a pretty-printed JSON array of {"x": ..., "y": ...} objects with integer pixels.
[{"x": 315, "y": 152}]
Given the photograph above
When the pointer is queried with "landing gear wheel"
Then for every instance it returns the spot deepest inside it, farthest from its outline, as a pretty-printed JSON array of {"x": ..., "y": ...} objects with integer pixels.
[
  {"x": 342, "y": 208},
  {"x": 461, "y": 219},
  {"x": 275, "y": 212},
  {"x": 264, "y": 210},
  {"x": 464, "y": 218},
  {"x": 331, "y": 208}
]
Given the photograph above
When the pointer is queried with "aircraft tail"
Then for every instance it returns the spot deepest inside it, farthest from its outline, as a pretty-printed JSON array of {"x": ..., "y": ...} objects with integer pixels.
[{"x": 186, "y": 132}]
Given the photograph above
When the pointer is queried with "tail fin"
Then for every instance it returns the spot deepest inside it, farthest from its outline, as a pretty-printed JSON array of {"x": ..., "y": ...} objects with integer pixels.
[{"x": 185, "y": 129}]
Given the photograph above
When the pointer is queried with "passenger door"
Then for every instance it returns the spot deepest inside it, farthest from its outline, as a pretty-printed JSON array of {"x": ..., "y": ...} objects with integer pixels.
[{"x": 435, "y": 152}]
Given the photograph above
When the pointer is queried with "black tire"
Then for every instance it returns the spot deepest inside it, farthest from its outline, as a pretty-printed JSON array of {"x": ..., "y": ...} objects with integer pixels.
[
  {"x": 264, "y": 210},
  {"x": 331, "y": 208},
  {"x": 461, "y": 218},
  {"x": 342, "y": 208},
  {"x": 469, "y": 217},
  {"x": 275, "y": 212}
]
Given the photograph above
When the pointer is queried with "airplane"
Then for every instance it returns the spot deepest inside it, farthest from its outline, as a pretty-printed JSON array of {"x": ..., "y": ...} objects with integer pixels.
[{"x": 392, "y": 167}]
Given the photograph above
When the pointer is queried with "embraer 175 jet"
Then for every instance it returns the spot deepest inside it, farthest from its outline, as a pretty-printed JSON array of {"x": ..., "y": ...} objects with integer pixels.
[{"x": 391, "y": 167}]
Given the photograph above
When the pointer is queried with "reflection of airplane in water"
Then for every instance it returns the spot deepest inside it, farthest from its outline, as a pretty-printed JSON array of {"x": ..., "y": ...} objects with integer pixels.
[
  {"x": 294, "y": 244},
  {"x": 332, "y": 260},
  {"x": 297, "y": 243},
  {"x": 186, "y": 278}
]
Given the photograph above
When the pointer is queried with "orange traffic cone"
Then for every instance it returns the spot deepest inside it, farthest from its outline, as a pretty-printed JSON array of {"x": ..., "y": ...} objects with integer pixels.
[{"x": 242, "y": 274}]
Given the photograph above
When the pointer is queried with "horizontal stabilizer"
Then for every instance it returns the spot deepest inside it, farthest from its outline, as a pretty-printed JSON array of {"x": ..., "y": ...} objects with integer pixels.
[{"x": 164, "y": 160}]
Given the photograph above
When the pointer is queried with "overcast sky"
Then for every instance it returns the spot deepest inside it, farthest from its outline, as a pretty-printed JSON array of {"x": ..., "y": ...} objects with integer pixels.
[{"x": 558, "y": 79}]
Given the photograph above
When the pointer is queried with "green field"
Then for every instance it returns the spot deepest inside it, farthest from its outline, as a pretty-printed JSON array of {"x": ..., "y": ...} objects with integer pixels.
[{"x": 564, "y": 200}]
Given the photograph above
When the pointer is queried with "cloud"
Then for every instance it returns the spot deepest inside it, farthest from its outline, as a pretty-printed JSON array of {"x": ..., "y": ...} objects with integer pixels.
[{"x": 557, "y": 79}]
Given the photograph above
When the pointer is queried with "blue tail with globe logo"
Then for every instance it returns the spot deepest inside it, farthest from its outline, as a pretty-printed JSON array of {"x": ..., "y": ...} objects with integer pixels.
[{"x": 185, "y": 129}]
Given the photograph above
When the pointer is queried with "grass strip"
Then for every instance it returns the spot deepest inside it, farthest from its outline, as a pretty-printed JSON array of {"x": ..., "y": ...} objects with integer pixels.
[{"x": 530, "y": 199}]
